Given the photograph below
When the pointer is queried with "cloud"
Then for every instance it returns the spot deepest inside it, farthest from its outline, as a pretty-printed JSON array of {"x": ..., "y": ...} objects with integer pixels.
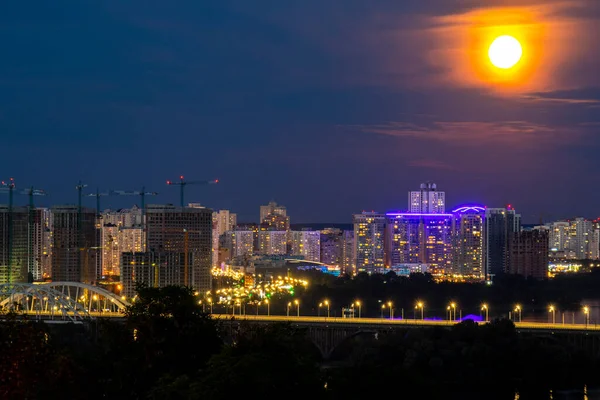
[
  {"x": 474, "y": 132},
  {"x": 433, "y": 164},
  {"x": 566, "y": 97}
]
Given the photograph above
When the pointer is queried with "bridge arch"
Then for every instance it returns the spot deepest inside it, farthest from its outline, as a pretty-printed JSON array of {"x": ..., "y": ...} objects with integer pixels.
[
  {"x": 94, "y": 298},
  {"x": 40, "y": 300}
]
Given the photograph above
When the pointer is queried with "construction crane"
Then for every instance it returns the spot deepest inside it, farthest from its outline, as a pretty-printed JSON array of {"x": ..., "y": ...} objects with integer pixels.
[
  {"x": 97, "y": 195},
  {"x": 183, "y": 183},
  {"x": 142, "y": 193}
]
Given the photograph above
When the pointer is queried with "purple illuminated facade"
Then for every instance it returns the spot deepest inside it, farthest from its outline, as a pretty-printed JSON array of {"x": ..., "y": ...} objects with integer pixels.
[{"x": 419, "y": 238}]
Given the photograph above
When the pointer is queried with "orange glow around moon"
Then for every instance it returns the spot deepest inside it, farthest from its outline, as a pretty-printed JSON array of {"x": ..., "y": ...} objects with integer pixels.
[{"x": 500, "y": 48}]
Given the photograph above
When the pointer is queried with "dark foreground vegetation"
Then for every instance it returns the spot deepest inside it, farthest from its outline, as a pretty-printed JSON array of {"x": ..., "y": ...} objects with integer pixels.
[{"x": 168, "y": 349}]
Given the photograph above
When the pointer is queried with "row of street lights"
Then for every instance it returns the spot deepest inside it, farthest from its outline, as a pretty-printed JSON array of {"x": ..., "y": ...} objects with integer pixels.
[{"x": 451, "y": 309}]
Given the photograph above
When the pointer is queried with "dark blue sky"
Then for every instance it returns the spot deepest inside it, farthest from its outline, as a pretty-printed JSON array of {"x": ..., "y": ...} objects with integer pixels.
[{"x": 328, "y": 107}]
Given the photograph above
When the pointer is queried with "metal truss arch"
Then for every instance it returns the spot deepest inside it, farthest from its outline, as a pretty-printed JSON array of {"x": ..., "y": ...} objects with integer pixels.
[
  {"x": 40, "y": 300},
  {"x": 76, "y": 288}
]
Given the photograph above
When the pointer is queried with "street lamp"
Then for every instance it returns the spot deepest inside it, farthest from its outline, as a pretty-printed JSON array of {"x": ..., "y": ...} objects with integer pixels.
[
  {"x": 421, "y": 306},
  {"x": 382, "y": 308},
  {"x": 326, "y": 302},
  {"x": 288, "y": 308},
  {"x": 268, "y": 307},
  {"x": 297, "y": 303},
  {"x": 518, "y": 310},
  {"x": 359, "y": 304},
  {"x": 553, "y": 311},
  {"x": 390, "y": 305},
  {"x": 586, "y": 311},
  {"x": 452, "y": 310},
  {"x": 485, "y": 307},
  {"x": 210, "y": 302}
]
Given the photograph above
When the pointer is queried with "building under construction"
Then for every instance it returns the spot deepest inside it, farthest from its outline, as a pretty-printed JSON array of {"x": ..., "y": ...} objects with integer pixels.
[
  {"x": 74, "y": 244},
  {"x": 27, "y": 239},
  {"x": 179, "y": 242}
]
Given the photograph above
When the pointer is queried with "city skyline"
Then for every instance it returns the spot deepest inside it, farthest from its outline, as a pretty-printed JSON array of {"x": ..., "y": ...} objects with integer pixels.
[
  {"x": 301, "y": 104},
  {"x": 111, "y": 200}
]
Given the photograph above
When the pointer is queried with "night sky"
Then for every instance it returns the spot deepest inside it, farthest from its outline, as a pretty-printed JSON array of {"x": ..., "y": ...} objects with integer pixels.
[{"x": 328, "y": 107}]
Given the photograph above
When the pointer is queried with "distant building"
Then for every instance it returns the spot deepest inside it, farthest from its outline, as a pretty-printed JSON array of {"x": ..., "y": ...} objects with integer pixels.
[
  {"x": 560, "y": 240},
  {"x": 121, "y": 231},
  {"x": 272, "y": 209},
  {"x": 369, "y": 231},
  {"x": 242, "y": 243},
  {"x": 501, "y": 225},
  {"x": 117, "y": 240},
  {"x": 153, "y": 270},
  {"x": 307, "y": 244},
  {"x": 31, "y": 247},
  {"x": 427, "y": 200},
  {"x": 183, "y": 230},
  {"x": 74, "y": 240},
  {"x": 331, "y": 247},
  {"x": 273, "y": 242},
  {"x": 468, "y": 226},
  {"x": 529, "y": 253},
  {"x": 577, "y": 239},
  {"x": 415, "y": 238},
  {"x": 223, "y": 221},
  {"x": 273, "y": 217},
  {"x": 348, "y": 265}
]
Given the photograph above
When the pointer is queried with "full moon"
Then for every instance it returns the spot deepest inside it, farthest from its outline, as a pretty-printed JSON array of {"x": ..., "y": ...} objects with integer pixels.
[{"x": 505, "y": 52}]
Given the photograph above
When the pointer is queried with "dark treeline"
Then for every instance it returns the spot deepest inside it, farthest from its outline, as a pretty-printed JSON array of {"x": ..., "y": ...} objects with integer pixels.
[
  {"x": 168, "y": 349},
  {"x": 565, "y": 292}
]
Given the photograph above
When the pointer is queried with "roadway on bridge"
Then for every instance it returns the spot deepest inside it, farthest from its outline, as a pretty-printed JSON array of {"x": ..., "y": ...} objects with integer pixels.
[{"x": 396, "y": 322}]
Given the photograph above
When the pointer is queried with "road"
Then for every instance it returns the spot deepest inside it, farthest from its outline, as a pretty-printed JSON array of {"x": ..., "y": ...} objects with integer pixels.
[{"x": 396, "y": 322}]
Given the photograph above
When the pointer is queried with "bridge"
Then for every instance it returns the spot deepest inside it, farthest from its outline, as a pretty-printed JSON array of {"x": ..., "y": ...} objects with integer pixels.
[
  {"x": 328, "y": 333},
  {"x": 71, "y": 301}
]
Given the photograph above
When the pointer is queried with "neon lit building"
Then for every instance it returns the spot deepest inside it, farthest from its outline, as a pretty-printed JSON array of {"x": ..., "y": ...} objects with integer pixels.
[
  {"x": 420, "y": 238},
  {"x": 468, "y": 236}
]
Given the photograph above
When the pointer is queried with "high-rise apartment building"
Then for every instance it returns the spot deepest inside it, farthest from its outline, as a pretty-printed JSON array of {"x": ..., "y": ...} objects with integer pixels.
[
  {"x": 153, "y": 270},
  {"x": 223, "y": 221},
  {"x": 369, "y": 231},
  {"x": 242, "y": 243},
  {"x": 307, "y": 244},
  {"x": 574, "y": 240},
  {"x": 500, "y": 226},
  {"x": 121, "y": 231},
  {"x": 29, "y": 240},
  {"x": 331, "y": 247},
  {"x": 273, "y": 217},
  {"x": 416, "y": 238},
  {"x": 529, "y": 253},
  {"x": 468, "y": 226},
  {"x": 273, "y": 242},
  {"x": 183, "y": 230},
  {"x": 74, "y": 250},
  {"x": 272, "y": 209},
  {"x": 427, "y": 200},
  {"x": 117, "y": 240},
  {"x": 348, "y": 265},
  {"x": 560, "y": 239}
]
